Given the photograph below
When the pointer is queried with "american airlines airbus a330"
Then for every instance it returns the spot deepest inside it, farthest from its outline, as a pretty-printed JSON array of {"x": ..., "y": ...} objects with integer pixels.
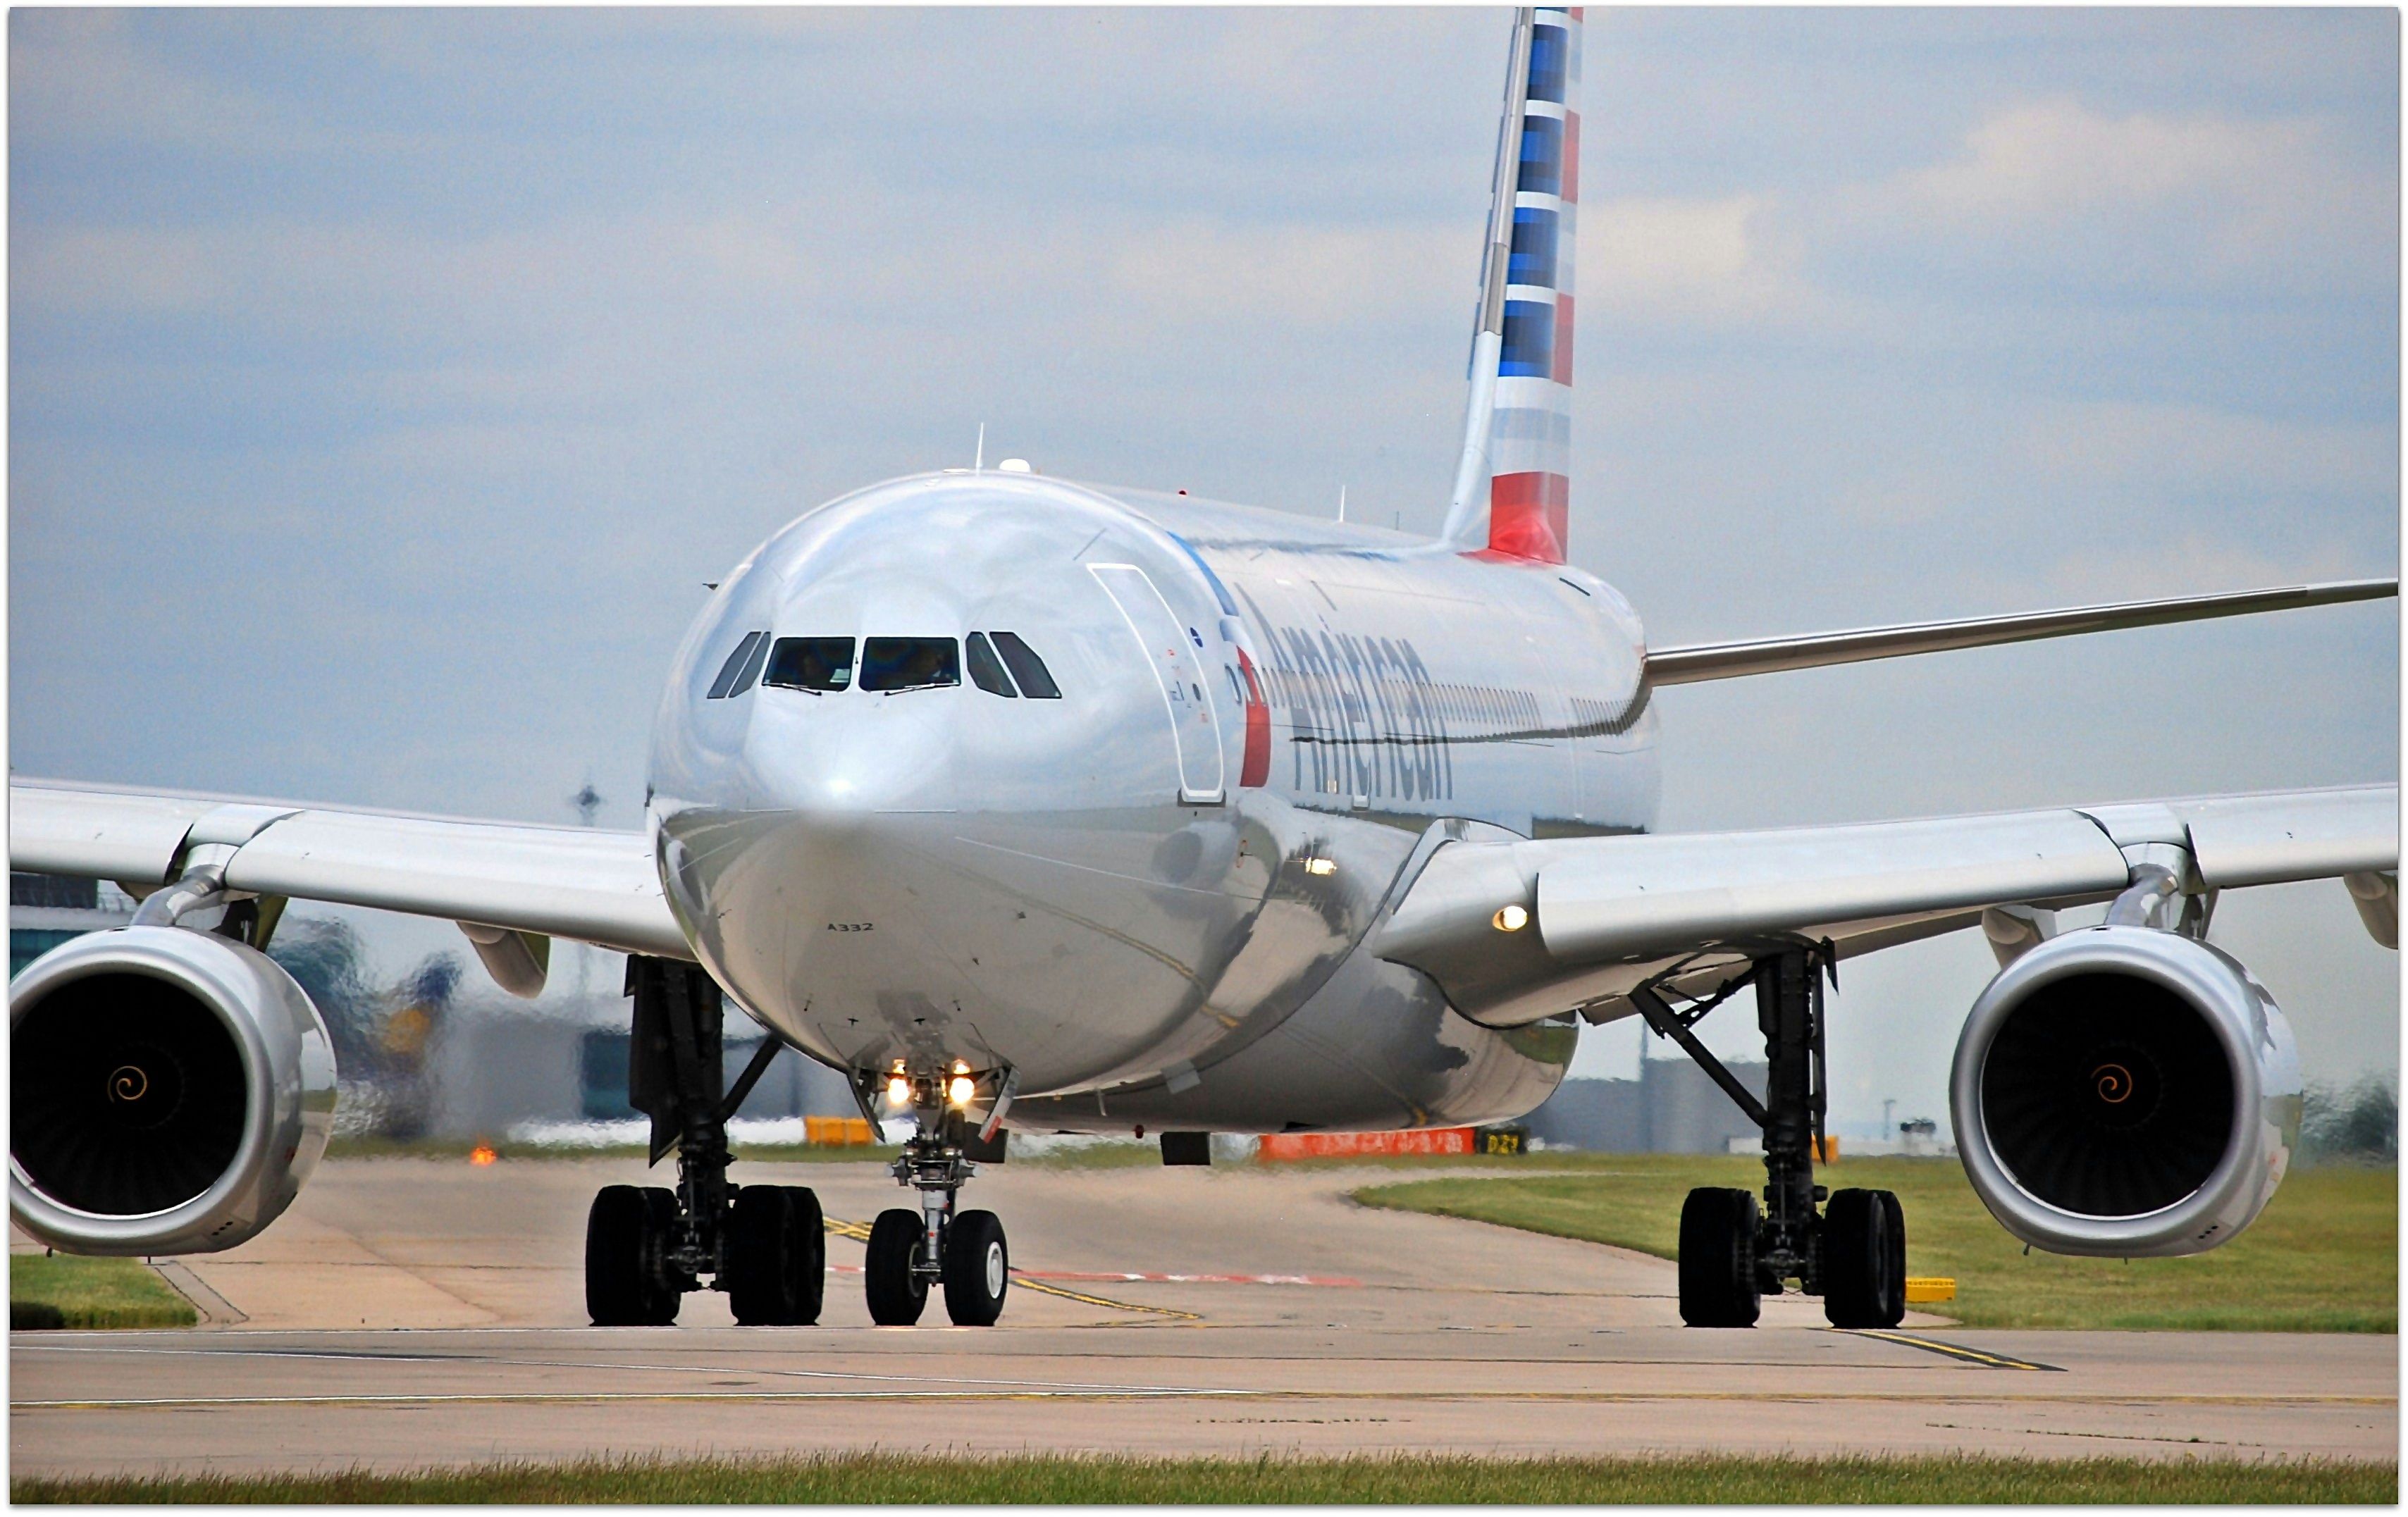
[{"x": 1069, "y": 808}]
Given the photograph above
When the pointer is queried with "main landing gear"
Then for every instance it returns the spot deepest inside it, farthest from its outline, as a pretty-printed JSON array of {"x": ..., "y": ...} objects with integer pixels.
[
  {"x": 962, "y": 1252},
  {"x": 647, "y": 1246},
  {"x": 1854, "y": 1255}
]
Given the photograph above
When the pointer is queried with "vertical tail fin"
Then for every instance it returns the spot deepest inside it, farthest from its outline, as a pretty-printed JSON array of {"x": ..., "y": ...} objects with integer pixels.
[{"x": 1512, "y": 489}]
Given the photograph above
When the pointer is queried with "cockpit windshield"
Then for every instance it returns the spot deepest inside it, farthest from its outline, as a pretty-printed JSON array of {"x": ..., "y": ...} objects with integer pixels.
[
  {"x": 986, "y": 671},
  {"x": 896, "y": 664},
  {"x": 1035, "y": 682},
  {"x": 815, "y": 664}
]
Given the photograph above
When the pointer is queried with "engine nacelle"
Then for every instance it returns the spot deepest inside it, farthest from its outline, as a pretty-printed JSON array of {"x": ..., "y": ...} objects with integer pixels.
[
  {"x": 2124, "y": 1092},
  {"x": 172, "y": 1090}
]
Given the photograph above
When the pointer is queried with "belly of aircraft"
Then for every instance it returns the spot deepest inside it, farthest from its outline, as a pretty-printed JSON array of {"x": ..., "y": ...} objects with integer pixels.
[{"x": 1077, "y": 950}]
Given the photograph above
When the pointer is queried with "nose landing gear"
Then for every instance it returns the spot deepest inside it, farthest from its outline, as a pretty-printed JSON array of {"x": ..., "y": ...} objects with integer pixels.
[
  {"x": 1854, "y": 1255},
  {"x": 964, "y": 1252}
]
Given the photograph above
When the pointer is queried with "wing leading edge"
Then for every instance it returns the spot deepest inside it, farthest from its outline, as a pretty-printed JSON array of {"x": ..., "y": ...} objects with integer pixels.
[
  {"x": 1603, "y": 915},
  {"x": 582, "y": 883},
  {"x": 1771, "y": 656}
]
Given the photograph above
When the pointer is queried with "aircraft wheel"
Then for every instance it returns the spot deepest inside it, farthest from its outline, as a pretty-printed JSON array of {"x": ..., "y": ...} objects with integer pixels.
[
  {"x": 625, "y": 1237},
  {"x": 978, "y": 1269},
  {"x": 1864, "y": 1259},
  {"x": 769, "y": 1254},
  {"x": 1718, "y": 1285},
  {"x": 809, "y": 1264},
  {"x": 897, "y": 1294}
]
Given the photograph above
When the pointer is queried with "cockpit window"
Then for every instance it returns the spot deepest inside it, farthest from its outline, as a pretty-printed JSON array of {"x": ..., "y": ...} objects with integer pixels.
[
  {"x": 895, "y": 664},
  {"x": 986, "y": 670},
  {"x": 751, "y": 669},
  {"x": 819, "y": 663},
  {"x": 735, "y": 664},
  {"x": 1026, "y": 667}
]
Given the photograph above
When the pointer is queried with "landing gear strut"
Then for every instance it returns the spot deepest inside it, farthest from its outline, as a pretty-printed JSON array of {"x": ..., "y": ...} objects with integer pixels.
[
  {"x": 647, "y": 1246},
  {"x": 964, "y": 1252},
  {"x": 1854, "y": 1255}
]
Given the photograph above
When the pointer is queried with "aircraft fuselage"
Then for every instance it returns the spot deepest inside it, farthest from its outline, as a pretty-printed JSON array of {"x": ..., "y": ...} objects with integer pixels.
[{"x": 1145, "y": 894}]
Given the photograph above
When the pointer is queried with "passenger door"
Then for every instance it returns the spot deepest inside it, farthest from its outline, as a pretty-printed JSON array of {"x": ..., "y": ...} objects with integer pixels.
[{"x": 1177, "y": 667}]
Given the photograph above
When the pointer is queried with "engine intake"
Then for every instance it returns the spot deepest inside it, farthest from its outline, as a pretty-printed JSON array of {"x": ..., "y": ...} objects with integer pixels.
[
  {"x": 172, "y": 1090},
  {"x": 2126, "y": 1092}
]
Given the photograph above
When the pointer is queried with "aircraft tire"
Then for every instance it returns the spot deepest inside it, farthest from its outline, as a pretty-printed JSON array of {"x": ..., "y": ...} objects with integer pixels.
[
  {"x": 1718, "y": 1260},
  {"x": 1864, "y": 1259},
  {"x": 767, "y": 1253},
  {"x": 623, "y": 1237},
  {"x": 660, "y": 1235},
  {"x": 808, "y": 1266},
  {"x": 978, "y": 1269},
  {"x": 897, "y": 1296}
]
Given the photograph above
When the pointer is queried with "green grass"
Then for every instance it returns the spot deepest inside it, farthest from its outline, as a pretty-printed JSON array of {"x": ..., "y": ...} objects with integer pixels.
[
  {"x": 60, "y": 1289},
  {"x": 862, "y": 1479},
  {"x": 2323, "y": 1258}
]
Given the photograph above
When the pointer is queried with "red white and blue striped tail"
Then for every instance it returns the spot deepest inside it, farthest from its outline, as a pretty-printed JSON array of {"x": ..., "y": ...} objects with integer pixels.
[{"x": 1512, "y": 490}]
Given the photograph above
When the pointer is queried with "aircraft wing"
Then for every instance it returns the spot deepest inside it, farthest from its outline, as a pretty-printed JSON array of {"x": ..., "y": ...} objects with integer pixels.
[
  {"x": 1771, "y": 655},
  {"x": 577, "y": 882},
  {"x": 1601, "y": 916}
]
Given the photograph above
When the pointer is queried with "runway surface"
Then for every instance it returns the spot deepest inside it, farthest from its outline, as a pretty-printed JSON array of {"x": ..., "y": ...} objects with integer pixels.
[{"x": 411, "y": 1312}]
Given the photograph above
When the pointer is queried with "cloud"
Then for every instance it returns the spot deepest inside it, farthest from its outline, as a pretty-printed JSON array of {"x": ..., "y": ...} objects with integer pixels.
[
  {"x": 2182, "y": 204},
  {"x": 2179, "y": 454},
  {"x": 1196, "y": 271},
  {"x": 1689, "y": 262},
  {"x": 2051, "y": 205},
  {"x": 88, "y": 77}
]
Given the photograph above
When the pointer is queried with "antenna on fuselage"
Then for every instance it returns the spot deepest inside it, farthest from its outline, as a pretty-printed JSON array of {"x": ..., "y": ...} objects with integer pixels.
[
  {"x": 978, "y": 464},
  {"x": 1341, "y": 503}
]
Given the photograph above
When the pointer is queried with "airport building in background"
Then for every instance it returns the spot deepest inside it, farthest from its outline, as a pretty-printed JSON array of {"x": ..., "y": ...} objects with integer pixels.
[
  {"x": 47, "y": 909},
  {"x": 502, "y": 1067},
  {"x": 1673, "y": 1107}
]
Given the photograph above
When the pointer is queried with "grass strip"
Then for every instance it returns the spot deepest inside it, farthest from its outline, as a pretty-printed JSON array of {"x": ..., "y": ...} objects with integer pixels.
[
  {"x": 60, "y": 1289},
  {"x": 1072, "y": 1479},
  {"x": 2324, "y": 1258}
]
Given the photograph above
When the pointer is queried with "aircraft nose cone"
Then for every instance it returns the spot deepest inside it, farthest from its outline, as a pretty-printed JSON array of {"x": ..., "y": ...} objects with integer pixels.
[{"x": 848, "y": 757}]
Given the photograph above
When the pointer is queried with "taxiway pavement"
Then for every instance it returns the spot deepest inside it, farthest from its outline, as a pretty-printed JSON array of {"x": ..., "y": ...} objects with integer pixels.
[{"x": 409, "y": 1313}]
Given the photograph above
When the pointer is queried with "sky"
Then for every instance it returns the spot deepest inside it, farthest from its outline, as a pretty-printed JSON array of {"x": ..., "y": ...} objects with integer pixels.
[{"x": 383, "y": 386}]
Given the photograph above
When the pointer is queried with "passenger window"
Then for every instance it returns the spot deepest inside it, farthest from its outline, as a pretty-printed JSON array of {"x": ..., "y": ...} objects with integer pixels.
[
  {"x": 986, "y": 671},
  {"x": 898, "y": 664},
  {"x": 815, "y": 663},
  {"x": 1026, "y": 667},
  {"x": 735, "y": 664}
]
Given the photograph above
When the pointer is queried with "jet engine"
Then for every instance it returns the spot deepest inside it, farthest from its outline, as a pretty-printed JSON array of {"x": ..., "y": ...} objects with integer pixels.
[
  {"x": 172, "y": 1090},
  {"x": 2126, "y": 1092}
]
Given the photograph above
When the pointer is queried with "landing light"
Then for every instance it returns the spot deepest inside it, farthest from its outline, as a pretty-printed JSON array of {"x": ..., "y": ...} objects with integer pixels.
[
  {"x": 1511, "y": 919},
  {"x": 959, "y": 1089},
  {"x": 898, "y": 1091},
  {"x": 1322, "y": 866}
]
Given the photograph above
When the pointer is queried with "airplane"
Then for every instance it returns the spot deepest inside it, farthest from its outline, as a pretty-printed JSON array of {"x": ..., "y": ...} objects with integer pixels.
[{"x": 1061, "y": 807}]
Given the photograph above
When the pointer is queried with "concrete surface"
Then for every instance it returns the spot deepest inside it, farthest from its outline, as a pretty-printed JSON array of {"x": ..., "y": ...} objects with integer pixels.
[{"x": 409, "y": 1311}]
